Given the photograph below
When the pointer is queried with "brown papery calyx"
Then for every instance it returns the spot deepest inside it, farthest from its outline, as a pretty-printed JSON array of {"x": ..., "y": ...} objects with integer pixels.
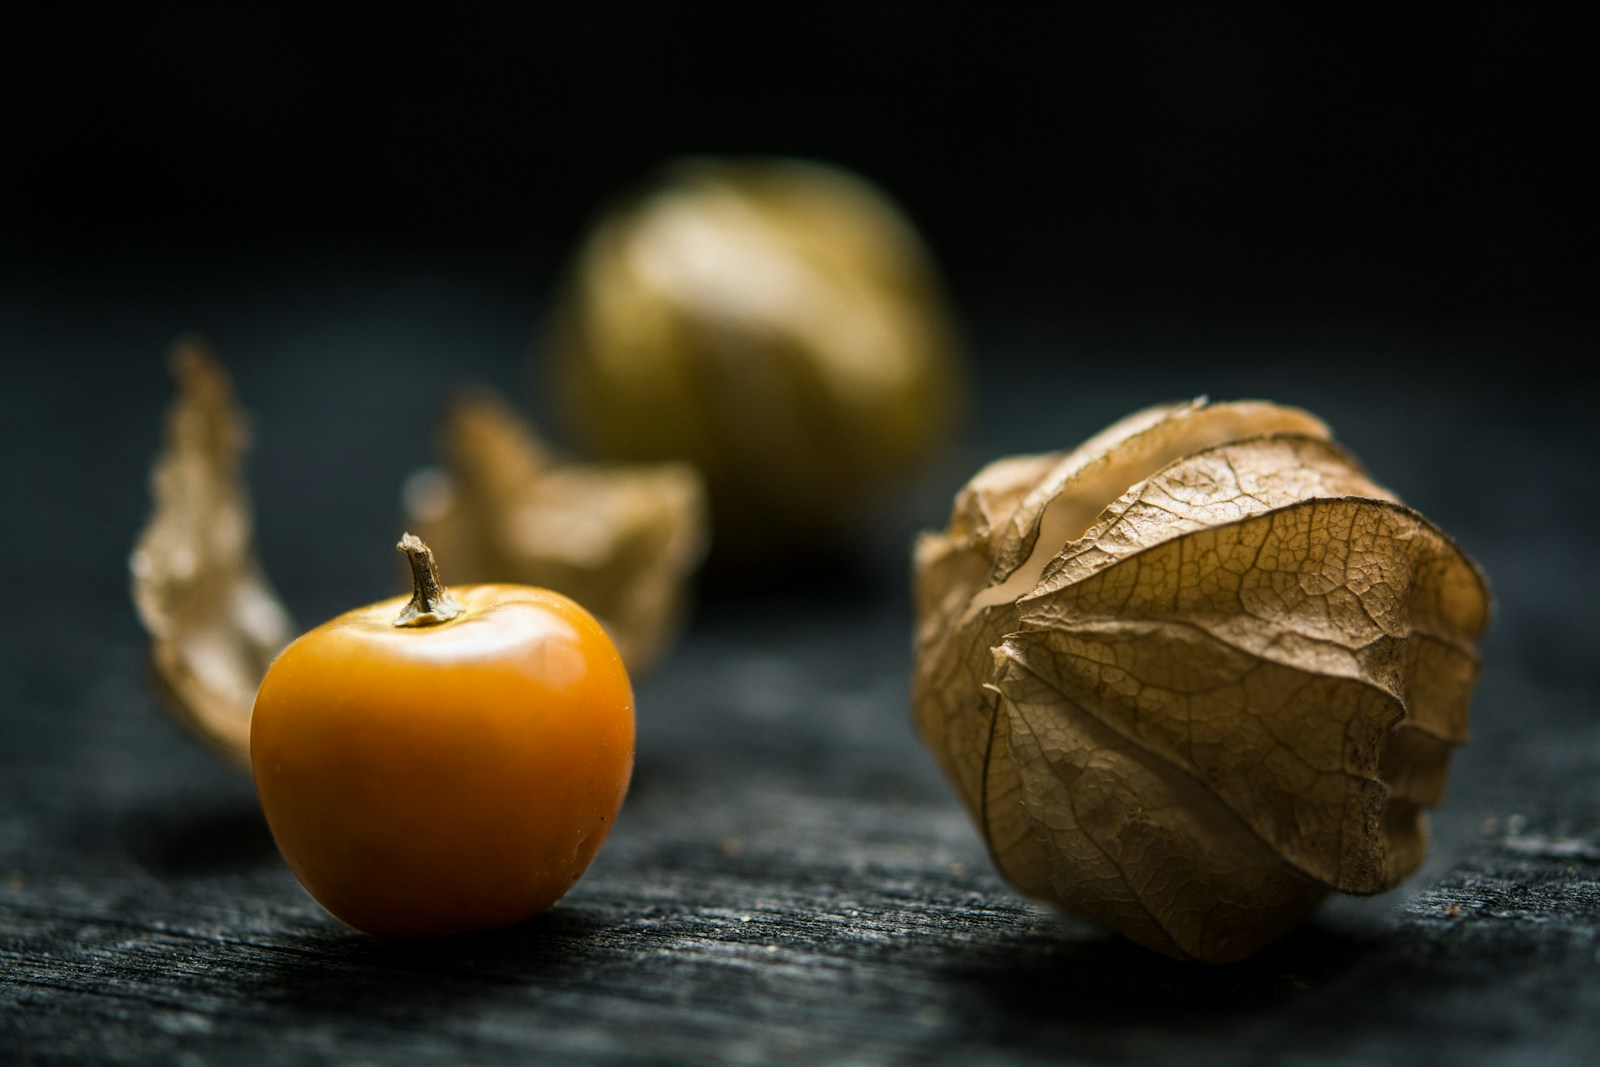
[
  {"x": 212, "y": 619},
  {"x": 1195, "y": 674}
]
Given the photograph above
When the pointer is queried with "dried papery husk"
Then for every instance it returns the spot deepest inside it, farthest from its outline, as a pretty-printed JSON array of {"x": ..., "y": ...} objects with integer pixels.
[
  {"x": 623, "y": 540},
  {"x": 1195, "y": 674},
  {"x": 214, "y": 622},
  {"x": 777, "y": 323}
]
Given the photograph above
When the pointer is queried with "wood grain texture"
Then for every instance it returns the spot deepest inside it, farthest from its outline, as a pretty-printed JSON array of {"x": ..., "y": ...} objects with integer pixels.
[{"x": 791, "y": 880}]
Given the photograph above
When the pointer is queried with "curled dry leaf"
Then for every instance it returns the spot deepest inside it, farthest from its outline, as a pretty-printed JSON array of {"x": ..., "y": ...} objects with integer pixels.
[
  {"x": 778, "y": 324},
  {"x": 1195, "y": 674},
  {"x": 621, "y": 540},
  {"x": 214, "y": 622}
]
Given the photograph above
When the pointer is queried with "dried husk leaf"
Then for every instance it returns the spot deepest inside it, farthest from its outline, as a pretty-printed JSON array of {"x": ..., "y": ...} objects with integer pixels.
[
  {"x": 214, "y": 622},
  {"x": 1195, "y": 674},
  {"x": 621, "y": 540},
  {"x": 778, "y": 324}
]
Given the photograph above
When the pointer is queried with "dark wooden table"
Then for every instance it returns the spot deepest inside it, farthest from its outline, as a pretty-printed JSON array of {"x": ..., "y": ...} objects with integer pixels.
[{"x": 791, "y": 880}]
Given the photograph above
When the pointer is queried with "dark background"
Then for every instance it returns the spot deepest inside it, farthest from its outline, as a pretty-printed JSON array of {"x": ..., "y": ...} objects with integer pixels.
[
  {"x": 1384, "y": 218},
  {"x": 1169, "y": 159}
]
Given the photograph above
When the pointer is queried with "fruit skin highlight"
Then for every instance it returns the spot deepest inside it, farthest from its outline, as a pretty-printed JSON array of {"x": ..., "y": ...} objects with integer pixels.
[{"x": 449, "y": 764}]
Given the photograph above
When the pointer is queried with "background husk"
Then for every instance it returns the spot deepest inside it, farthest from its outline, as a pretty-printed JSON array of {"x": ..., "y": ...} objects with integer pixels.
[
  {"x": 778, "y": 324},
  {"x": 622, "y": 539}
]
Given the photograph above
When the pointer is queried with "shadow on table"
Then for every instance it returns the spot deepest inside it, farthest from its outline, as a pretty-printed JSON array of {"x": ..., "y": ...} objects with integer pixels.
[
  {"x": 193, "y": 844},
  {"x": 1111, "y": 981},
  {"x": 322, "y": 965},
  {"x": 361, "y": 979}
]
